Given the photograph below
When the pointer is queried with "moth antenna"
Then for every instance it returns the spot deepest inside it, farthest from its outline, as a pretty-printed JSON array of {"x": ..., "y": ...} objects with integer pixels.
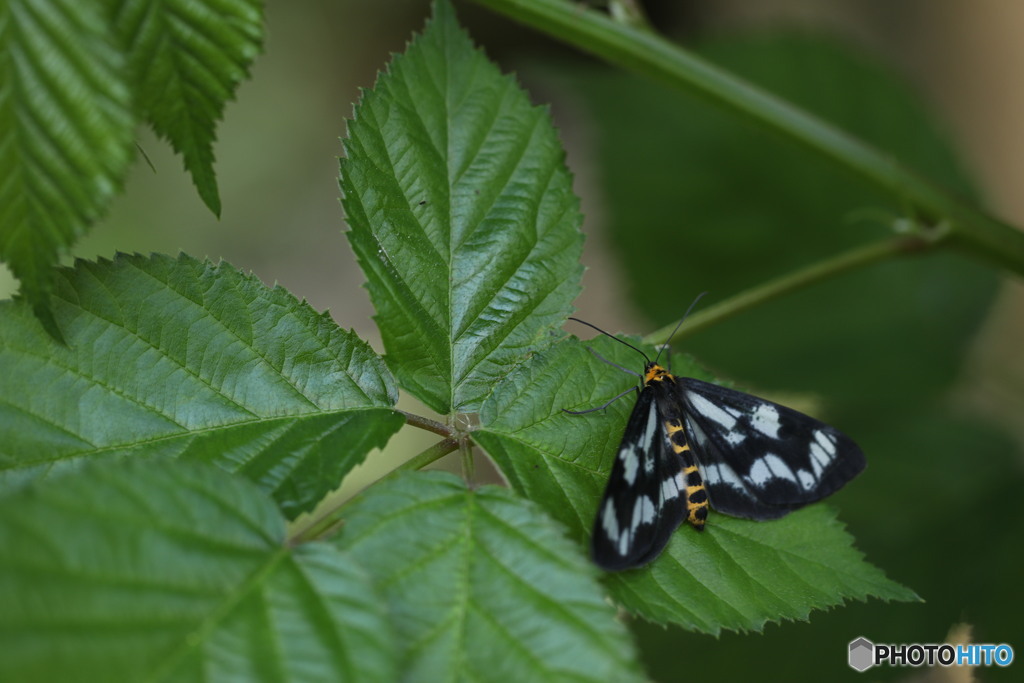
[
  {"x": 608, "y": 334},
  {"x": 668, "y": 341}
]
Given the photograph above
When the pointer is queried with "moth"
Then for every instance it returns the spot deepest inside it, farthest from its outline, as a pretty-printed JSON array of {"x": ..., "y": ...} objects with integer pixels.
[{"x": 691, "y": 445}]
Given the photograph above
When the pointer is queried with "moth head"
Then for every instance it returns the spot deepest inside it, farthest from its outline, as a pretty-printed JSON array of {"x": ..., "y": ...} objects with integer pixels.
[{"x": 654, "y": 373}]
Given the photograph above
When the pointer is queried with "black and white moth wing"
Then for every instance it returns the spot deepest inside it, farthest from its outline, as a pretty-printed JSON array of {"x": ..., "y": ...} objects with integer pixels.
[
  {"x": 644, "y": 501},
  {"x": 760, "y": 460}
]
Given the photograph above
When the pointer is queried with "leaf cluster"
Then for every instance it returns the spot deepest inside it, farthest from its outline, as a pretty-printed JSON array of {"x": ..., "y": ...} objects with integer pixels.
[
  {"x": 153, "y": 468},
  {"x": 77, "y": 79}
]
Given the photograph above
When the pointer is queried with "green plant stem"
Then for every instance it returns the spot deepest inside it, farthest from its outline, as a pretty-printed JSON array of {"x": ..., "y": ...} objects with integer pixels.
[
  {"x": 647, "y": 53},
  {"x": 427, "y": 424},
  {"x": 333, "y": 517},
  {"x": 424, "y": 458},
  {"x": 468, "y": 463},
  {"x": 854, "y": 258}
]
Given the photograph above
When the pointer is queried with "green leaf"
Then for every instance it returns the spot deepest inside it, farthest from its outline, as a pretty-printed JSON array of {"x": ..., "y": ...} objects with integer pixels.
[
  {"x": 739, "y": 574},
  {"x": 186, "y": 359},
  {"x": 462, "y": 217},
  {"x": 932, "y": 533},
  {"x": 735, "y": 575},
  {"x": 732, "y": 207},
  {"x": 482, "y": 586},
  {"x": 172, "y": 571},
  {"x": 186, "y": 58},
  {"x": 65, "y": 132},
  {"x": 559, "y": 460}
]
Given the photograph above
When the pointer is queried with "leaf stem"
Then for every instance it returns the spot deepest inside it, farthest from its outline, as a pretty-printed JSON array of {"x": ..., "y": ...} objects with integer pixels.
[
  {"x": 434, "y": 426},
  {"x": 431, "y": 454},
  {"x": 468, "y": 463},
  {"x": 333, "y": 518},
  {"x": 816, "y": 272},
  {"x": 641, "y": 50}
]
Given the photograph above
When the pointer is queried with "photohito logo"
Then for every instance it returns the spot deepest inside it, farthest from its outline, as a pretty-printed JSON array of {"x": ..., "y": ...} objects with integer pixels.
[{"x": 864, "y": 654}]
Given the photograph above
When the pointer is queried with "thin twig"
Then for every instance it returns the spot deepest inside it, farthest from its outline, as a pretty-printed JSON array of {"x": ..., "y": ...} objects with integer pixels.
[
  {"x": 855, "y": 258},
  {"x": 333, "y": 518},
  {"x": 641, "y": 50}
]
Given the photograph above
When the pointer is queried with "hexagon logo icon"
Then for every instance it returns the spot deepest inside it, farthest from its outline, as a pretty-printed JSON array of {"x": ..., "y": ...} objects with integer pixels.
[{"x": 862, "y": 654}]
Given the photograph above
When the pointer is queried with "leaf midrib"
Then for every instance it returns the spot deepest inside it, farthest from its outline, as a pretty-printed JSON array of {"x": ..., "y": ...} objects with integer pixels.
[
  {"x": 113, "y": 448},
  {"x": 200, "y": 635}
]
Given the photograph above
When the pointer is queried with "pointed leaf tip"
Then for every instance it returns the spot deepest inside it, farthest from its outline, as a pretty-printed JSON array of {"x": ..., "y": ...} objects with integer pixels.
[
  {"x": 462, "y": 216},
  {"x": 736, "y": 574}
]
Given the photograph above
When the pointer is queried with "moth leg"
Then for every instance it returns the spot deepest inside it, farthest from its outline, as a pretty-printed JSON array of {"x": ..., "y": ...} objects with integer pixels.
[{"x": 601, "y": 407}]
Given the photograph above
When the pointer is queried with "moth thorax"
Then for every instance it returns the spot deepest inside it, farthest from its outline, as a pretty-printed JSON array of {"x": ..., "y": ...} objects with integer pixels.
[{"x": 655, "y": 373}]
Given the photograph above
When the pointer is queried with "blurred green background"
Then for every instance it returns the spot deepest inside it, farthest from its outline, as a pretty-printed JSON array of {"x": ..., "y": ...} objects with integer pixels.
[{"x": 919, "y": 359}]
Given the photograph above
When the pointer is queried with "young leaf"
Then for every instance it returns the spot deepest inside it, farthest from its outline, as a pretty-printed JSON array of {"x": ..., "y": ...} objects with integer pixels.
[
  {"x": 736, "y": 574},
  {"x": 176, "y": 571},
  {"x": 186, "y": 58},
  {"x": 462, "y": 217},
  {"x": 65, "y": 131},
  {"x": 483, "y": 586},
  {"x": 186, "y": 359}
]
